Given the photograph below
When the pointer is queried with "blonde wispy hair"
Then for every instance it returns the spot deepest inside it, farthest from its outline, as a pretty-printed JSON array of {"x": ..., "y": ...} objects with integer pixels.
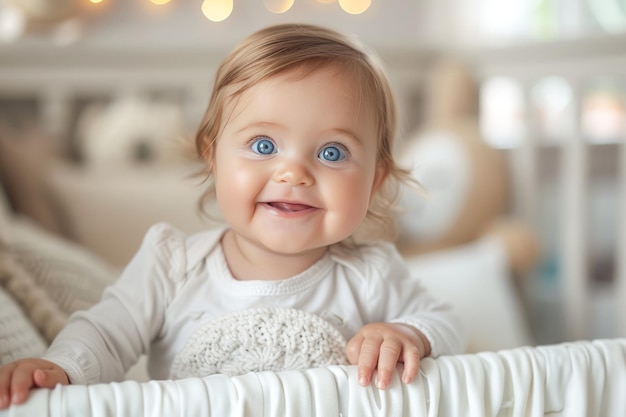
[{"x": 283, "y": 48}]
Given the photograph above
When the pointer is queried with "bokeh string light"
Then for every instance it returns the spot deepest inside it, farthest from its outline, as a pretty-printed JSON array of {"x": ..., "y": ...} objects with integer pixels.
[
  {"x": 217, "y": 10},
  {"x": 354, "y": 6},
  {"x": 64, "y": 19},
  {"x": 278, "y": 6},
  {"x": 220, "y": 10}
]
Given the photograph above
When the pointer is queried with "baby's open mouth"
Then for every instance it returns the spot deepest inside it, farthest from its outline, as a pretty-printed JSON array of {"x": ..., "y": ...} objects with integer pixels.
[{"x": 293, "y": 207}]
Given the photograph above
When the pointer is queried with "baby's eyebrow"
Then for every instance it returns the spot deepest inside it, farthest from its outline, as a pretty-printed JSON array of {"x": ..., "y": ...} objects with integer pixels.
[
  {"x": 353, "y": 137},
  {"x": 257, "y": 125},
  {"x": 267, "y": 124}
]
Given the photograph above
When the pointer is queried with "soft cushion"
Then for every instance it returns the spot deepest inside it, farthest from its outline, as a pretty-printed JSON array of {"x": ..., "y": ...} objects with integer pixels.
[
  {"x": 49, "y": 276},
  {"x": 70, "y": 275},
  {"x": 476, "y": 281},
  {"x": 18, "y": 337},
  {"x": 110, "y": 212},
  {"x": 24, "y": 165},
  {"x": 42, "y": 311}
]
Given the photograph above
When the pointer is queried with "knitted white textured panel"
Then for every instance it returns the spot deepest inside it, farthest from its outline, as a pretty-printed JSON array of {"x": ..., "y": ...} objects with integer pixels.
[
  {"x": 18, "y": 336},
  {"x": 268, "y": 339},
  {"x": 72, "y": 277},
  {"x": 43, "y": 312}
]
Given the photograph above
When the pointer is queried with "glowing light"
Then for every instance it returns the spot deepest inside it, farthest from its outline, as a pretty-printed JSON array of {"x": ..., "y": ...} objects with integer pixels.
[
  {"x": 278, "y": 6},
  {"x": 217, "y": 10},
  {"x": 603, "y": 112},
  {"x": 502, "y": 112},
  {"x": 552, "y": 98},
  {"x": 502, "y": 20},
  {"x": 159, "y": 2},
  {"x": 95, "y": 6},
  {"x": 355, "y": 6},
  {"x": 12, "y": 24}
]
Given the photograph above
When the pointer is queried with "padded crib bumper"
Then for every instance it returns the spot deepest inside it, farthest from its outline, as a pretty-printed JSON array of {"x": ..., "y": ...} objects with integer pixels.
[{"x": 579, "y": 379}]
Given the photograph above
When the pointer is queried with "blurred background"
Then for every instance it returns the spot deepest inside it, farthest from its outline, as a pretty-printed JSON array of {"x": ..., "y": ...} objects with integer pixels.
[{"x": 93, "y": 92}]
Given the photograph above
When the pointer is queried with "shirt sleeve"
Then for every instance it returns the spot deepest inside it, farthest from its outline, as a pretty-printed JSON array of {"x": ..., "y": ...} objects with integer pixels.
[
  {"x": 398, "y": 297},
  {"x": 100, "y": 344}
]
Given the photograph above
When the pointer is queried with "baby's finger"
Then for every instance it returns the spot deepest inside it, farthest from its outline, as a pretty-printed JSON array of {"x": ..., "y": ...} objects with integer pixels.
[
  {"x": 368, "y": 357},
  {"x": 411, "y": 359},
  {"x": 49, "y": 378},
  {"x": 353, "y": 349},
  {"x": 387, "y": 361},
  {"x": 21, "y": 382},
  {"x": 5, "y": 378}
]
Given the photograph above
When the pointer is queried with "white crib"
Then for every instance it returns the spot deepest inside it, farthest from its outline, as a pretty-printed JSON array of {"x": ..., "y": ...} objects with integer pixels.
[{"x": 576, "y": 63}]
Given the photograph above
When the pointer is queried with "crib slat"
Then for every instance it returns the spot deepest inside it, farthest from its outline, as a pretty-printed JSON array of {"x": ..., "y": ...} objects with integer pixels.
[
  {"x": 574, "y": 180},
  {"x": 525, "y": 165},
  {"x": 620, "y": 255}
]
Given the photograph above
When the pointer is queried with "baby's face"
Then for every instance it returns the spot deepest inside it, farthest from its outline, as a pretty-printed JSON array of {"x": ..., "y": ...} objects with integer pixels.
[{"x": 295, "y": 166}]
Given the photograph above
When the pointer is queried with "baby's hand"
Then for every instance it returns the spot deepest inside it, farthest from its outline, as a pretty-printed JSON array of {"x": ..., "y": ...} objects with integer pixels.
[
  {"x": 18, "y": 377},
  {"x": 381, "y": 346}
]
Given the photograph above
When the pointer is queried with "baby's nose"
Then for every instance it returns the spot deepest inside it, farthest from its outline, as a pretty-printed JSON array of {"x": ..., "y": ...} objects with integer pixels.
[{"x": 294, "y": 173}]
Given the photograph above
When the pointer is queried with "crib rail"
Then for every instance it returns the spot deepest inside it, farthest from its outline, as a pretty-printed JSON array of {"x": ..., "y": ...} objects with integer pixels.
[{"x": 573, "y": 379}]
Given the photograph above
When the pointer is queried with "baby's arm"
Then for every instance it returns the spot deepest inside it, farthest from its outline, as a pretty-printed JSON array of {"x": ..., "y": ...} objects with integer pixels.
[
  {"x": 405, "y": 323},
  {"x": 380, "y": 346},
  {"x": 18, "y": 377}
]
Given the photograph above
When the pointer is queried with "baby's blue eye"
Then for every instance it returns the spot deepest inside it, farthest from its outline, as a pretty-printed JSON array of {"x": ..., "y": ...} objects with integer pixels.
[
  {"x": 263, "y": 146},
  {"x": 332, "y": 153}
]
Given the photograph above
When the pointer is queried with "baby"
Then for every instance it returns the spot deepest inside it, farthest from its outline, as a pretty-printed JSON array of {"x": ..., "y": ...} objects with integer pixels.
[{"x": 297, "y": 144}]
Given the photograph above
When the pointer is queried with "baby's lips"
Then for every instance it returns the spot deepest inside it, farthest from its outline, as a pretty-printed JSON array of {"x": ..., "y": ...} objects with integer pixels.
[{"x": 289, "y": 206}]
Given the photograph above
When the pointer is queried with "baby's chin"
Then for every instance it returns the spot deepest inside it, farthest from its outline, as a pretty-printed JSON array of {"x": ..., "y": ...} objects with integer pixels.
[
  {"x": 298, "y": 243},
  {"x": 294, "y": 247}
]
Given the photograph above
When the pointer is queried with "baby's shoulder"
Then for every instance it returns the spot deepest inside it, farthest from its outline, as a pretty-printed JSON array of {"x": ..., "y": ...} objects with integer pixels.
[
  {"x": 364, "y": 252},
  {"x": 371, "y": 259},
  {"x": 181, "y": 250}
]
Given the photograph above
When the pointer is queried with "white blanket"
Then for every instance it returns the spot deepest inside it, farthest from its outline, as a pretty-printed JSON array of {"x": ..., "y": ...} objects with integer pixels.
[{"x": 580, "y": 379}]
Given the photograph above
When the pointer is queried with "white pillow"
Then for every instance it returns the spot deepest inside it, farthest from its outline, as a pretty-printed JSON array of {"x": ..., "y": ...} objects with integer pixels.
[
  {"x": 475, "y": 279},
  {"x": 69, "y": 274},
  {"x": 18, "y": 336},
  {"x": 109, "y": 212},
  {"x": 42, "y": 311}
]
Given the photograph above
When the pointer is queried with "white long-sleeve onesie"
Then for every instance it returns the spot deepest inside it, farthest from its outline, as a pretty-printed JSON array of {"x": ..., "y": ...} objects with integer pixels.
[{"x": 177, "y": 283}]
